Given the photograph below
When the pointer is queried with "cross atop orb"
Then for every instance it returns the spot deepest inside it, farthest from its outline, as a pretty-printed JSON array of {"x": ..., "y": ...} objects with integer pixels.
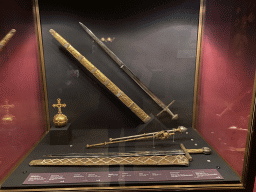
[{"x": 59, "y": 105}]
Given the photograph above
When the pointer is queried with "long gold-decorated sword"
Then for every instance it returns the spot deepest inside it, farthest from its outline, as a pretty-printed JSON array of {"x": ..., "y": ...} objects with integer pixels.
[
  {"x": 131, "y": 74},
  {"x": 102, "y": 78},
  {"x": 203, "y": 150},
  {"x": 5, "y": 40}
]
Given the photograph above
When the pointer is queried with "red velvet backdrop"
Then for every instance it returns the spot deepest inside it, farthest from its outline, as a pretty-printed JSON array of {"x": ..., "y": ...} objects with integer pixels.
[
  {"x": 23, "y": 124},
  {"x": 228, "y": 61}
]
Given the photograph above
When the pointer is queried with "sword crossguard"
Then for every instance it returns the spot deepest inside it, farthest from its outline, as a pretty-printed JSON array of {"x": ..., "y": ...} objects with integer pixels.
[
  {"x": 204, "y": 150},
  {"x": 188, "y": 156},
  {"x": 174, "y": 116}
]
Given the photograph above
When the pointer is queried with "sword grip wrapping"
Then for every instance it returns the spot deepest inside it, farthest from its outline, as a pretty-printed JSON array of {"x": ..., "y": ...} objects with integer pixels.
[
  {"x": 195, "y": 150},
  {"x": 205, "y": 150},
  {"x": 102, "y": 78}
]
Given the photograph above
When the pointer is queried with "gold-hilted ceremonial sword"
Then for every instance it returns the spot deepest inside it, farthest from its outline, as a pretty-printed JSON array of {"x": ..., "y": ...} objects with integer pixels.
[
  {"x": 172, "y": 157},
  {"x": 203, "y": 150},
  {"x": 102, "y": 78},
  {"x": 5, "y": 40},
  {"x": 131, "y": 74},
  {"x": 165, "y": 134}
]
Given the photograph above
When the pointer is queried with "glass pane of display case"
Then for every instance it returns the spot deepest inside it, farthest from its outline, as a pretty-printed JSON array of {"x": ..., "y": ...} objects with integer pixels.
[
  {"x": 143, "y": 96},
  {"x": 22, "y": 121},
  {"x": 227, "y": 76}
]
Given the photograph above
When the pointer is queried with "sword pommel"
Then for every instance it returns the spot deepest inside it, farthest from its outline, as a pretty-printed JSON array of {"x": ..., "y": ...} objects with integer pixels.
[
  {"x": 182, "y": 129},
  {"x": 207, "y": 150},
  {"x": 51, "y": 31}
]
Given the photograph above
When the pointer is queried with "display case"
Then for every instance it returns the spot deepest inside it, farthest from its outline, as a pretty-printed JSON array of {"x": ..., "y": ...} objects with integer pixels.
[{"x": 128, "y": 95}]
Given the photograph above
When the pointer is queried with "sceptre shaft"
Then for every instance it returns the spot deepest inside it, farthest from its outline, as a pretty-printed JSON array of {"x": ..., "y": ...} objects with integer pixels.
[
  {"x": 102, "y": 78},
  {"x": 131, "y": 74},
  {"x": 5, "y": 40},
  {"x": 162, "y": 135}
]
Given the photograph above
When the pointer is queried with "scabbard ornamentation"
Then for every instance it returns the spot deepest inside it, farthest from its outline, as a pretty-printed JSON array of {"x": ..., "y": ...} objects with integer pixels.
[
  {"x": 5, "y": 40},
  {"x": 179, "y": 160},
  {"x": 102, "y": 78}
]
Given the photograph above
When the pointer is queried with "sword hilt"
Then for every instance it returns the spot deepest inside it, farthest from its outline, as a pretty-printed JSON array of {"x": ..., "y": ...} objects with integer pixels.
[
  {"x": 174, "y": 116},
  {"x": 204, "y": 150},
  {"x": 186, "y": 152}
]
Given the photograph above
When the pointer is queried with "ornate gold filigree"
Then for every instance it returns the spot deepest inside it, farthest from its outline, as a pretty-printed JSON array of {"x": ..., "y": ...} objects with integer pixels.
[
  {"x": 97, "y": 161},
  {"x": 60, "y": 120}
]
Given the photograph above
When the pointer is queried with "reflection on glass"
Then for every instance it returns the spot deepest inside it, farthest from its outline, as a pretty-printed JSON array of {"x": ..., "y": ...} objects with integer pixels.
[
  {"x": 227, "y": 77},
  {"x": 108, "y": 39},
  {"x": 22, "y": 121},
  {"x": 5, "y": 40},
  {"x": 7, "y": 118},
  {"x": 243, "y": 20}
]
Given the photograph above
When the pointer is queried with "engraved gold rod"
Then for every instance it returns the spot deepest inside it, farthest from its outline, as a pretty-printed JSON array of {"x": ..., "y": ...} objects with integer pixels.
[
  {"x": 102, "y": 78},
  {"x": 119, "y": 141},
  {"x": 180, "y": 129},
  {"x": 7, "y": 38},
  {"x": 131, "y": 74}
]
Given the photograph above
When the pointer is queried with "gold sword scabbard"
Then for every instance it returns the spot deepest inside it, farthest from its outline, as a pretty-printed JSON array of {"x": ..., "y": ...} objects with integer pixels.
[
  {"x": 102, "y": 78},
  {"x": 169, "y": 160},
  {"x": 5, "y": 40}
]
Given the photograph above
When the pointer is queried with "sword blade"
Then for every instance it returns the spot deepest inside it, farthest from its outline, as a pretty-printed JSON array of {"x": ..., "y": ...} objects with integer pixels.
[
  {"x": 127, "y": 70},
  {"x": 116, "y": 154}
]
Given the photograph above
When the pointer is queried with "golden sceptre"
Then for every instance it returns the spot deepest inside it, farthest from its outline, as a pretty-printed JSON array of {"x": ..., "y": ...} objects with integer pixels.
[
  {"x": 102, "y": 78},
  {"x": 162, "y": 135},
  {"x": 5, "y": 40}
]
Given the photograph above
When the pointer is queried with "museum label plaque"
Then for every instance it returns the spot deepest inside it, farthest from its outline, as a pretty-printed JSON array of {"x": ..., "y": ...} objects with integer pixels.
[{"x": 122, "y": 176}]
